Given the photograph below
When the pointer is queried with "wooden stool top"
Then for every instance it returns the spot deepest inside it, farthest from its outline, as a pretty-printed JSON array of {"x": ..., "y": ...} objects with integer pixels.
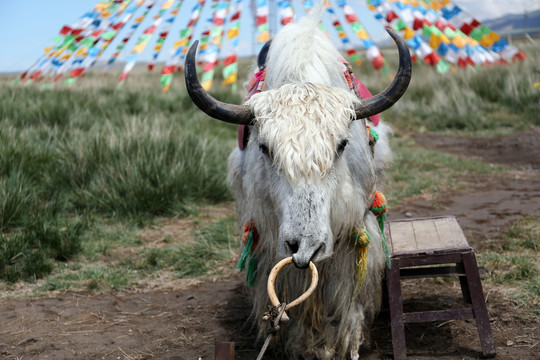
[{"x": 426, "y": 235}]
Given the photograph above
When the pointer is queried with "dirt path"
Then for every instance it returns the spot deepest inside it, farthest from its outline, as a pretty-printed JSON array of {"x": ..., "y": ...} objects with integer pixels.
[{"x": 184, "y": 322}]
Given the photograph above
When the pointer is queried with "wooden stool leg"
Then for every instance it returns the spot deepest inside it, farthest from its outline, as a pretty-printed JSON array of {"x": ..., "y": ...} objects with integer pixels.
[
  {"x": 479, "y": 304},
  {"x": 224, "y": 351},
  {"x": 465, "y": 289},
  {"x": 395, "y": 305}
]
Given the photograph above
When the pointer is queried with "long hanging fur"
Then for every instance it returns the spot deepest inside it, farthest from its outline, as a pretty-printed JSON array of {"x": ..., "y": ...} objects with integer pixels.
[{"x": 303, "y": 115}]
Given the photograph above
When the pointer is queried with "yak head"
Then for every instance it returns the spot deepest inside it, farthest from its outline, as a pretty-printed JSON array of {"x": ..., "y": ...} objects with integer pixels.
[{"x": 300, "y": 136}]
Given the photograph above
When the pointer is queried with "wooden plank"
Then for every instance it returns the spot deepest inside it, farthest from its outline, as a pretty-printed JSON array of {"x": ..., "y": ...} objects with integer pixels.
[
  {"x": 426, "y": 235},
  {"x": 452, "y": 234},
  {"x": 438, "y": 315},
  {"x": 402, "y": 234}
]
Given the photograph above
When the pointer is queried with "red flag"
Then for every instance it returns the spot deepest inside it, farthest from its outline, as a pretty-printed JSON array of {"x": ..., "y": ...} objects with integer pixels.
[
  {"x": 231, "y": 59},
  {"x": 65, "y": 30},
  {"x": 261, "y": 20},
  {"x": 351, "y": 18},
  {"x": 150, "y": 30},
  {"x": 378, "y": 62},
  {"x": 466, "y": 28},
  {"x": 519, "y": 56},
  {"x": 168, "y": 70},
  {"x": 117, "y": 26},
  {"x": 76, "y": 72},
  {"x": 391, "y": 16},
  {"x": 418, "y": 24},
  {"x": 35, "y": 75},
  {"x": 432, "y": 59}
]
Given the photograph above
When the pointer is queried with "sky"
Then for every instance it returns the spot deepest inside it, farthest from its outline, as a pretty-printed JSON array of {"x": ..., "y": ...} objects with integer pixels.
[{"x": 28, "y": 26}]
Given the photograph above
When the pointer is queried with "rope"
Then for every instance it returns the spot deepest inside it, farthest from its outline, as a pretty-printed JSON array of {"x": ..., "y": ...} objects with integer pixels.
[{"x": 274, "y": 314}]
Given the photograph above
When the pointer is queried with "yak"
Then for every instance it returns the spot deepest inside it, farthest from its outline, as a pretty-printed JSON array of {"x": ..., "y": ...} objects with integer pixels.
[{"x": 306, "y": 180}]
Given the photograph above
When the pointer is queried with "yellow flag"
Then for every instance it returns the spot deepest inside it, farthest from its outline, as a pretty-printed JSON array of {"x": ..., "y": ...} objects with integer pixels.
[
  {"x": 101, "y": 6},
  {"x": 80, "y": 51},
  {"x": 458, "y": 41},
  {"x": 167, "y": 4},
  {"x": 207, "y": 85},
  {"x": 362, "y": 34},
  {"x": 434, "y": 41},
  {"x": 444, "y": 39},
  {"x": 138, "y": 48},
  {"x": 231, "y": 79},
  {"x": 263, "y": 37},
  {"x": 232, "y": 33},
  {"x": 408, "y": 34},
  {"x": 179, "y": 43},
  {"x": 494, "y": 36},
  {"x": 47, "y": 49},
  {"x": 486, "y": 41}
]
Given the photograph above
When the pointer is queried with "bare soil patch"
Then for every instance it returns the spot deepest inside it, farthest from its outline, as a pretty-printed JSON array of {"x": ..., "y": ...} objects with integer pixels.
[
  {"x": 183, "y": 322},
  {"x": 521, "y": 150}
]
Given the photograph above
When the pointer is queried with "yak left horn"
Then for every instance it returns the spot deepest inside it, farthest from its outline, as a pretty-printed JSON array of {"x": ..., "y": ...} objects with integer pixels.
[
  {"x": 388, "y": 97},
  {"x": 231, "y": 113}
]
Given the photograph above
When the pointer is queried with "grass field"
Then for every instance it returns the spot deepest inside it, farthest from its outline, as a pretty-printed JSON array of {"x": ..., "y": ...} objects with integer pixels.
[{"x": 84, "y": 172}]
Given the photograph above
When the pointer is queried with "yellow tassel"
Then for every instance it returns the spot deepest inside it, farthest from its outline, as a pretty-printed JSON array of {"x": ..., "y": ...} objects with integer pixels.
[{"x": 361, "y": 237}]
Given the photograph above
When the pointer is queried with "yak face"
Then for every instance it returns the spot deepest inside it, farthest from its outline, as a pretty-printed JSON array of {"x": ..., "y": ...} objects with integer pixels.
[{"x": 301, "y": 132}]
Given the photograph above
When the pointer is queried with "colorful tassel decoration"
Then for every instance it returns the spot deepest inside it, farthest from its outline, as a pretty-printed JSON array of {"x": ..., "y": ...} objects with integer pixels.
[
  {"x": 378, "y": 208},
  {"x": 361, "y": 239},
  {"x": 250, "y": 239},
  {"x": 373, "y": 135}
]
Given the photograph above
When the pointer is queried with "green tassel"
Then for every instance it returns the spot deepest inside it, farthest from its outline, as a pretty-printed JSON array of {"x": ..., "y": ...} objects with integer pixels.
[
  {"x": 252, "y": 263},
  {"x": 381, "y": 219},
  {"x": 251, "y": 273},
  {"x": 247, "y": 250}
]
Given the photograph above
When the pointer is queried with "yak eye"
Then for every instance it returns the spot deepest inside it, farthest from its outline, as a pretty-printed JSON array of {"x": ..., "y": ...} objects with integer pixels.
[
  {"x": 341, "y": 147},
  {"x": 264, "y": 149}
]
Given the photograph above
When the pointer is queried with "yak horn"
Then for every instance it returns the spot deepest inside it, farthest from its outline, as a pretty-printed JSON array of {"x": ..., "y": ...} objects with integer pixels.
[
  {"x": 231, "y": 113},
  {"x": 385, "y": 99}
]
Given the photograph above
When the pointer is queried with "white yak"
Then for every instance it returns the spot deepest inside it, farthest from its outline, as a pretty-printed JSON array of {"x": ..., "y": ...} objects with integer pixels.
[{"x": 306, "y": 179}]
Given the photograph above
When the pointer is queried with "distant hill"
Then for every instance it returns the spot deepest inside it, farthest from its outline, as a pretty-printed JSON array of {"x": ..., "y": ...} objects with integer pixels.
[{"x": 516, "y": 24}]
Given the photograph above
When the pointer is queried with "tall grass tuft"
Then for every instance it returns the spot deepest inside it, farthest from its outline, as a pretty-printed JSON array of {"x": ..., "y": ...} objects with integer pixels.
[{"x": 69, "y": 156}]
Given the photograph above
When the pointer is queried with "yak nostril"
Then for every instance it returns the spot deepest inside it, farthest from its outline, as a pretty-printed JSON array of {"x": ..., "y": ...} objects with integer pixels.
[{"x": 293, "y": 245}]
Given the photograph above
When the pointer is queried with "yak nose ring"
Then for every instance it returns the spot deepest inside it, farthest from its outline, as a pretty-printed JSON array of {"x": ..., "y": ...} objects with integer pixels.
[{"x": 272, "y": 282}]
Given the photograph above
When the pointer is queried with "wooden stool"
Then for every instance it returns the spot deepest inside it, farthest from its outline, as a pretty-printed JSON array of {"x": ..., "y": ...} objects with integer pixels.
[{"x": 418, "y": 248}]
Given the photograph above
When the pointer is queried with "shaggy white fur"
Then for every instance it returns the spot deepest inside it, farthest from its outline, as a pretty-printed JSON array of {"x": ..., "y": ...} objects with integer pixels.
[
  {"x": 302, "y": 125},
  {"x": 302, "y": 190}
]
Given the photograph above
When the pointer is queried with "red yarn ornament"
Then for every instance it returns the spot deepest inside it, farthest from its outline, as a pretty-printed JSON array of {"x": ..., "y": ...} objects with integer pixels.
[{"x": 379, "y": 204}]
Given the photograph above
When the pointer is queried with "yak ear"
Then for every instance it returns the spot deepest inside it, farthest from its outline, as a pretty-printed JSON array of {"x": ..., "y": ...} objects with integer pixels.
[{"x": 261, "y": 58}]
